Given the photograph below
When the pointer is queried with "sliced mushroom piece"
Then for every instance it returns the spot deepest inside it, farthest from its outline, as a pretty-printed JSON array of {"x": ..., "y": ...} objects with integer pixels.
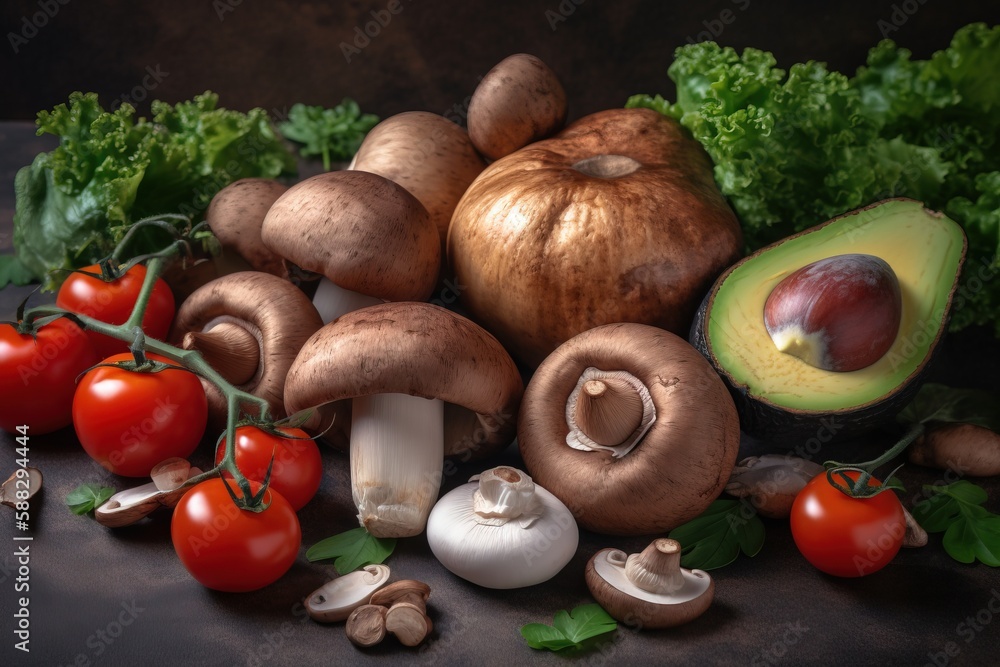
[
  {"x": 771, "y": 482},
  {"x": 413, "y": 352},
  {"x": 430, "y": 156},
  {"x": 171, "y": 473},
  {"x": 30, "y": 481},
  {"x": 235, "y": 216},
  {"x": 366, "y": 625},
  {"x": 653, "y": 459},
  {"x": 649, "y": 589},
  {"x": 406, "y": 617},
  {"x": 336, "y": 599},
  {"x": 248, "y": 326},
  {"x": 131, "y": 505}
]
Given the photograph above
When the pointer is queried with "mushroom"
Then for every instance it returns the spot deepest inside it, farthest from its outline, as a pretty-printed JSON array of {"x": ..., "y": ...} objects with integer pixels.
[
  {"x": 366, "y": 625},
  {"x": 670, "y": 430},
  {"x": 171, "y": 473},
  {"x": 915, "y": 535},
  {"x": 519, "y": 101},
  {"x": 428, "y": 155},
  {"x": 771, "y": 482},
  {"x": 968, "y": 449},
  {"x": 27, "y": 481},
  {"x": 406, "y": 617},
  {"x": 248, "y": 326},
  {"x": 502, "y": 531},
  {"x": 649, "y": 589},
  {"x": 336, "y": 599},
  {"x": 389, "y": 358},
  {"x": 370, "y": 239},
  {"x": 131, "y": 505},
  {"x": 235, "y": 216}
]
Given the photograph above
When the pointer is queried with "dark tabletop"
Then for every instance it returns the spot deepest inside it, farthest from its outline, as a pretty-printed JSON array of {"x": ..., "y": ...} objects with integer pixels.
[{"x": 121, "y": 597}]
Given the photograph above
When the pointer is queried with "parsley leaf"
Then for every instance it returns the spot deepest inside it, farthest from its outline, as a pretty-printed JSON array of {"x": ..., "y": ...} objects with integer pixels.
[
  {"x": 88, "y": 497},
  {"x": 970, "y": 531},
  {"x": 569, "y": 629},
  {"x": 716, "y": 538},
  {"x": 333, "y": 133},
  {"x": 351, "y": 550}
]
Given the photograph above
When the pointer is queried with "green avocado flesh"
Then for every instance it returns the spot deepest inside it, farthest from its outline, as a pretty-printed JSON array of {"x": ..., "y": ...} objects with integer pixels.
[{"x": 924, "y": 249}]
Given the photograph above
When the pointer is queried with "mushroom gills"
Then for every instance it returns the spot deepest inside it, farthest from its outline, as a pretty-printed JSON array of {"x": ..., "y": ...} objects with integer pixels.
[{"x": 397, "y": 449}]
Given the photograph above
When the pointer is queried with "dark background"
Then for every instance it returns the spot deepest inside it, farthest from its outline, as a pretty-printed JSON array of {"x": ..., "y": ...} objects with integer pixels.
[{"x": 772, "y": 610}]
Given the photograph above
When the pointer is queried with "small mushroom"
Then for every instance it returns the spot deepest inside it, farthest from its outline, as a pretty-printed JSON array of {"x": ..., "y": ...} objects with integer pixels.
[
  {"x": 131, "y": 505},
  {"x": 235, "y": 216},
  {"x": 171, "y": 473},
  {"x": 370, "y": 238},
  {"x": 336, "y": 599},
  {"x": 406, "y": 617},
  {"x": 915, "y": 535},
  {"x": 248, "y": 326},
  {"x": 630, "y": 427},
  {"x": 392, "y": 360},
  {"x": 649, "y": 589},
  {"x": 967, "y": 449},
  {"x": 519, "y": 101},
  {"x": 366, "y": 625},
  {"x": 430, "y": 156},
  {"x": 22, "y": 480},
  {"x": 771, "y": 482}
]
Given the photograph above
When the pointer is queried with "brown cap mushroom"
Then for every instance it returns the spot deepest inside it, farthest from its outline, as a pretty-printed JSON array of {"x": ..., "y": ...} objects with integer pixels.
[
  {"x": 364, "y": 233},
  {"x": 235, "y": 216},
  {"x": 414, "y": 351},
  {"x": 771, "y": 482},
  {"x": 336, "y": 599},
  {"x": 407, "y": 616},
  {"x": 656, "y": 456},
  {"x": 649, "y": 589},
  {"x": 131, "y": 505},
  {"x": 428, "y": 155},
  {"x": 248, "y": 326},
  {"x": 519, "y": 101}
]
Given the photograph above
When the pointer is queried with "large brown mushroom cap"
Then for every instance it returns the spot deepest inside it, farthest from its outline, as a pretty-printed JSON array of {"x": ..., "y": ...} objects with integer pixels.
[
  {"x": 677, "y": 469},
  {"x": 615, "y": 219},
  {"x": 255, "y": 308},
  {"x": 235, "y": 216},
  {"x": 418, "y": 349},
  {"x": 360, "y": 230},
  {"x": 519, "y": 101},
  {"x": 428, "y": 155}
]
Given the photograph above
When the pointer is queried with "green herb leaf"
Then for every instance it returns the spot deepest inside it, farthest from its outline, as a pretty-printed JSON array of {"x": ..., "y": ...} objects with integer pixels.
[
  {"x": 970, "y": 531},
  {"x": 334, "y": 133},
  {"x": 715, "y": 538},
  {"x": 13, "y": 272},
  {"x": 940, "y": 403},
  {"x": 352, "y": 549},
  {"x": 569, "y": 629},
  {"x": 88, "y": 497}
]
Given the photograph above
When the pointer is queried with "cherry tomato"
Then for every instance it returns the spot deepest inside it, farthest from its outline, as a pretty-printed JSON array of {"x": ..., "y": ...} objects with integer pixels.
[
  {"x": 38, "y": 375},
  {"x": 229, "y": 549},
  {"x": 844, "y": 536},
  {"x": 113, "y": 302},
  {"x": 129, "y": 421},
  {"x": 297, "y": 469}
]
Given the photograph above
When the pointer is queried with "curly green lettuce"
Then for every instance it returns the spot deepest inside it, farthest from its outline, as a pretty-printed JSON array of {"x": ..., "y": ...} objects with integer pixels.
[
  {"x": 793, "y": 149},
  {"x": 110, "y": 169}
]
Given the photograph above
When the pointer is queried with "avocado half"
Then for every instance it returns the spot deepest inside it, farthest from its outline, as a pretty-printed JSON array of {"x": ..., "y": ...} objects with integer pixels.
[{"x": 780, "y": 397}]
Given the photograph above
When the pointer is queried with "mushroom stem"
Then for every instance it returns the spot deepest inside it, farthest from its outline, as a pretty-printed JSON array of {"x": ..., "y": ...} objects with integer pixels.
[
  {"x": 228, "y": 348},
  {"x": 397, "y": 454},
  {"x": 608, "y": 410},
  {"x": 332, "y": 301},
  {"x": 658, "y": 568}
]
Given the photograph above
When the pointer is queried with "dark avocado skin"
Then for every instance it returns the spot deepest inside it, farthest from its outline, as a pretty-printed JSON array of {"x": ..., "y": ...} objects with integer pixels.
[{"x": 783, "y": 426}]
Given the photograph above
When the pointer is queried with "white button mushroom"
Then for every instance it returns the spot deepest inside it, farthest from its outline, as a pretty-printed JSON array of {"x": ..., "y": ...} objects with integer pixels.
[
  {"x": 336, "y": 599},
  {"x": 502, "y": 531}
]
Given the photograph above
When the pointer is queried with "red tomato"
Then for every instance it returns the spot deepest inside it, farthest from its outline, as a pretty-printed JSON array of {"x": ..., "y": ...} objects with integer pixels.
[
  {"x": 297, "y": 469},
  {"x": 129, "y": 421},
  {"x": 113, "y": 302},
  {"x": 229, "y": 549},
  {"x": 844, "y": 536},
  {"x": 38, "y": 375}
]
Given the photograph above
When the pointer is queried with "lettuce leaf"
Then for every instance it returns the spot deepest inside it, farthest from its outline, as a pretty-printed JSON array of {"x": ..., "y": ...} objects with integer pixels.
[
  {"x": 794, "y": 148},
  {"x": 73, "y": 204}
]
